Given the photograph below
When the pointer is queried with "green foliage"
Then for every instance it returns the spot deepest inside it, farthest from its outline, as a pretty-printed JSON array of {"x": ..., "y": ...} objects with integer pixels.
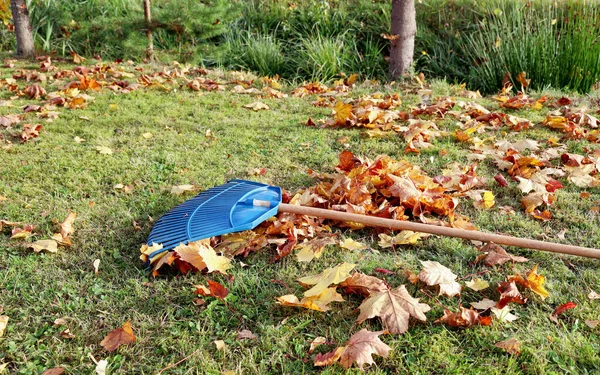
[{"x": 260, "y": 53}]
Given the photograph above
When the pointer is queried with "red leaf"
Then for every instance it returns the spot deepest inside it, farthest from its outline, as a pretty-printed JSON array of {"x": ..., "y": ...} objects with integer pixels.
[
  {"x": 501, "y": 180},
  {"x": 561, "y": 309}
]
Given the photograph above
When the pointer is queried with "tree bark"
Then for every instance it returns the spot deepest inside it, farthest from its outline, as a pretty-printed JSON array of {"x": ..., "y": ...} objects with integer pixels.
[
  {"x": 148, "y": 17},
  {"x": 23, "y": 33},
  {"x": 402, "y": 44}
]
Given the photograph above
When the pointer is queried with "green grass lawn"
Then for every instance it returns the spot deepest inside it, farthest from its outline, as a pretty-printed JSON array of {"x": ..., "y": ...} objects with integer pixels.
[{"x": 45, "y": 178}]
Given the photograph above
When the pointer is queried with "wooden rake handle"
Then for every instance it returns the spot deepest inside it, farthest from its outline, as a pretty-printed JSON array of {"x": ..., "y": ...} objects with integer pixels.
[{"x": 442, "y": 231}]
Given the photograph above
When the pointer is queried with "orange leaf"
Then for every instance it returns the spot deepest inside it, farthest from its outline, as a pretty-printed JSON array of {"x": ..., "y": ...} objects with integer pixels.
[
  {"x": 118, "y": 337},
  {"x": 66, "y": 227},
  {"x": 534, "y": 282},
  {"x": 359, "y": 348},
  {"x": 464, "y": 318}
]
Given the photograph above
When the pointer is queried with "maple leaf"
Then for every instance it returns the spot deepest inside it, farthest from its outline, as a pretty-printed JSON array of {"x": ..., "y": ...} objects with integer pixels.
[
  {"x": 313, "y": 248},
  {"x": 359, "y": 349},
  {"x": 66, "y": 227},
  {"x": 362, "y": 284},
  {"x": 256, "y": 106},
  {"x": 180, "y": 189},
  {"x": 201, "y": 255},
  {"x": 34, "y": 91},
  {"x": 405, "y": 237},
  {"x": 512, "y": 346},
  {"x": 19, "y": 233},
  {"x": 477, "y": 284},
  {"x": 496, "y": 255},
  {"x": 484, "y": 304},
  {"x": 561, "y": 309},
  {"x": 464, "y": 318},
  {"x": 147, "y": 250},
  {"x": 433, "y": 273},
  {"x": 349, "y": 244},
  {"x": 322, "y": 281},
  {"x": 30, "y": 131},
  {"x": 47, "y": 245},
  {"x": 214, "y": 290},
  {"x": 504, "y": 314},
  {"x": 118, "y": 337},
  {"x": 394, "y": 307},
  {"x": 533, "y": 281},
  {"x": 318, "y": 302},
  {"x": 509, "y": 293}
]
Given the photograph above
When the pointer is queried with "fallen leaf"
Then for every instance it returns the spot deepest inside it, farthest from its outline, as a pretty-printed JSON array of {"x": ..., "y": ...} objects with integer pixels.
[
  {"x": 147, "y": 135},
  {"x": 509, "y": 293},
  {"x": 350, "y": 244},
  {"x": 477, "y": 284},
  {"x": 313, "y": 248},
  {"x": 496, "y": 255},
  {"x": 101, "y": 367},
  {"x": 66, "y": 334},
  {"x": 533, "y": 281},
  {"x": 3, "y": 324},
  {"x": 512, "y": 346},
  {"x": 54, "y": 371},
  {"x": 405, "y": 237},
  {"x": 318, "y": 302},
  {"x": 220, "y": 344},
  {"x": 180, "y": 189},
  {"x": 118, "y": 337},
  {"x": 433, "y": 273},
  {"x": 60, "y": 322},
  {"x": 3, "y": 365},
  {"x": 333, "y": 275},
  {"x": 47, "y": 245},
  {"x": 256, "y": 106},
  {"x": 592, "y": 323},
  {"x": 363, "y": 285},
  {"x": 66, "y": 227},
  {"x": 464, "y": 318},
  {"x": 593, "y": 295},
  {"x": 104, "y": 150},
  {"x": 96, "y": 264},
  {"x": 214, "y": 290},
  {"x": 20, "y": 233},
  {"x": 78, "y": 139},
  {"x": 561, "y": 309},
  {"x": 316, "y": 342},
  {"x": 484, "y": 304},
  {"x": 246, "y": 334},
  {"x": 394, "y": 307},
  {"x": 359, "y": 349},
  {"x": 504, "y": 314}
]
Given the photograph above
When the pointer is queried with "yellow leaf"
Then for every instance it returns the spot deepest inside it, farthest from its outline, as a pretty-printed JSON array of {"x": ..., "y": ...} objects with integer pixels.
[
  {"x": 318, "y": 302},
  {"x": 147, "y": 250},
  {"x": 220, "y": 344},
  {"x": 257, "y": 106},
  {"x": 333, "y": 275},
  {"x": 78, "y": 139},
  {"x": 477, "y": 284},
  {"x": 3, "y": 324},
  {"x": 350, "y": 244},
  {"x": 147, "y": 135},
  {"x": 213, "y": 261},
  {"x": 48, "y": 245},
  {"x": 104, "y": 150},
  {"x": 405, "y": 237}
]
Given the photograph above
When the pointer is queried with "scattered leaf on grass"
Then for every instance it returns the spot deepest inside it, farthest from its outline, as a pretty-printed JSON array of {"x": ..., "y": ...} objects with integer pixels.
[
  {"x": 592, "y": 323},
  {"x": 118, "y": 337},
  {"x": 322, "y": 281},
  {"x": 66, "y": 227},
  {"x": 3, "y": 324},
  {"x": 101, "y": 367},
  {"x": 47, "y": 245},
  {"x": 78, "y": 139},
  {"x": 350, "y": 244},
  {"x": 363, "y": 285},
  {"x": 214, "y": 290},
  {"x": 220, "y": 344},
  {"x": 477, "y": 284},
  {"x": 246, "y": 334},
  {"x": 534, "y": 281},
  {"x": 496, "y": 255},
  {"x": 484, "y": 304},
  {"x": 316, "y": 342},
  {"x": 359, "y": 349},
  {"x": 20, "y": 233},
  {"x": 504, "y": 314},
  {"x": 104, "y": 150},
  {"x": 96, "y": 264},
  {"x": 147, "y": 135},
  {"x": 512, "y": 346},
  {"x": 593, "y": 295},
  {"x": 433, "y": 273},
  {"x": 180, "y": 189},
  {"x": 318, "y": 302},
  {"x": 464, "y": 318},
  {"x": 561, "y": 309},
  {"x": 257, "y": 106},
  {"x": 405, "y": 237}
]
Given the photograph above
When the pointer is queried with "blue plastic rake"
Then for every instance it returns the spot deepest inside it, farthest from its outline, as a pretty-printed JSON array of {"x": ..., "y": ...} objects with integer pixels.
[{"x": 242, "y": 205}]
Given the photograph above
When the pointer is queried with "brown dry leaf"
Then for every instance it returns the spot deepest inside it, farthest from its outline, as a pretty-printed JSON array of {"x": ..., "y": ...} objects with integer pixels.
[
  {"x": 512, "y": 346},
  {"x": 47, "y": 245},
  {"x": 316, "y": 342},
  {"x": 359, "y": 349},
  {"x": 257, "y": 106},
  {"x": 363, "y": 285},
  {"x": 34, "y": 91},
  {"x": 592, "y": 323},
  {"x": 496, "y": 255},
  {"x": 394, "y": 307},
  {"x": 66, "y": 334},
  {"x": 464, "y": 318},
  {"x": 118, "y": 337},
  {"x": 246, "y": 334},
  {"x": 66, "y": 227},
  {"x": 318, "y": 302},
  {"x": 214, "y": 290},
  {"x": 30, "y": 131},
  {"x": 180, "y": 189},
  {"x": 77, "y": 59},
  {"x": 533, "y": 281},
  {"x": 3, "y": 324},
  {"x": 54, "y": 371},
  {"x": 593, "y": 295},
  {"x": 433, "y": 273},
  {"x": 509, "y": 293},
  {"x": 322, "y": 281},
  {"x": 20, "y": 233}
]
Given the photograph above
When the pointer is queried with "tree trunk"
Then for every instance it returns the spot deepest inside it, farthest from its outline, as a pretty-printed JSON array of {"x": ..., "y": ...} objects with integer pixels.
[
  {"x": 402, "y": 44},
  {"x": 23, "y": 33},
  {"x": 148, "y": 17}
]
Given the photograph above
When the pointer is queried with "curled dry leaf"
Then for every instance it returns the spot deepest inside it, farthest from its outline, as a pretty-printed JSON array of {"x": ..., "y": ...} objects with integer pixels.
[
  {"x": 405, "y": 237},
  {"x": 316, "y": 342},
  {"x": 504, "y": 314},
  {"x": 592, "y": 323},
  {"x": 54, "y": 371},
  {"x": 3, "y": 324},
  {"x": 66, "y": 227},
  {"x": 118, "y": 337},
  {"x": 363, "y": 285},
  {"x": 496, "y": 255},
  {"x": 220, "y": 344},
  {"x": 484, "y": 304},
  {"x": 534, "y": 282},
  {"x": 313, "y": 248},
  {"x": 509, "y": 293},
  {"x": 593, "y": 295},
  {"x": 464, "y": 318},
  {"x": 101, "y": 367},
  {"x": 96, "y": 264},
  {"x": 561, "y": 309},
  {"x": 34, "y": 91},
  {"x": 359, "y": 349},
  {"x": 214, "y": 290},
  {"x": 104, "y": 150},
  {"x": 512, "y": 346},
  {"x": 433, "y": 273},
  {"x": 318, "y": 302},
  {"x": 20, "y": 233},
  {"x": 46, "y": 245},
  {"x": 30, "y": 131},
  {"x": 201, "y": 255},
  {"x": 246, "y": 334}
]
